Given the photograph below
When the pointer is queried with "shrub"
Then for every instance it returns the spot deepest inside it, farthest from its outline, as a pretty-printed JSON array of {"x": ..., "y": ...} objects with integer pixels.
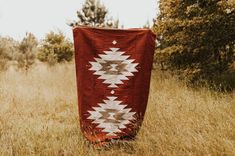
[
  {"x": 55, "y": 48},
  {"x": 8, "y": 47},
  {"x": 26, "y": 51}
]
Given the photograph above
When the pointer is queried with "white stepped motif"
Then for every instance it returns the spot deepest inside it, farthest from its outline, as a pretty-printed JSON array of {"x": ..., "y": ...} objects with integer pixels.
[
  {"x": 113, "y": 67},
  {"x": 111, "y": 116}
]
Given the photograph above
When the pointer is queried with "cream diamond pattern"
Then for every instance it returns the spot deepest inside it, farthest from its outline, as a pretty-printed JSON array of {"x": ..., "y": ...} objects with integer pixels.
[
  {"x": 113, "y": 67},
  {"x": 111, "y": 116},
  {"x": 114, "y": 42}
]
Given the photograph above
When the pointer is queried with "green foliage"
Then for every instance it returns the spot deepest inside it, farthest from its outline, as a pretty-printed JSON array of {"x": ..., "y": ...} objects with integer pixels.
[
  {"x": 20, "y": 53},
  {"x": 26, "y": 51},
  {"x": 196, "y": 37},
  {"x": 8, "y": 47},
  {"x": 94, "y": 14},
  {"x": 55, "y": 48}
]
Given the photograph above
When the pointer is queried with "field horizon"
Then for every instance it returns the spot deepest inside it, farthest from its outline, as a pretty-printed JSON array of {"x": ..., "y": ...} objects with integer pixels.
[{"x": 39, "y": 116}]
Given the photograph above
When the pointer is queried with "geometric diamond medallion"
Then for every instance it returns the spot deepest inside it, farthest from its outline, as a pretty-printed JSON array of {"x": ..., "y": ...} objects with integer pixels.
[
  {"x": 113, "y": 67},
  {"x": 111, "y": 116}
]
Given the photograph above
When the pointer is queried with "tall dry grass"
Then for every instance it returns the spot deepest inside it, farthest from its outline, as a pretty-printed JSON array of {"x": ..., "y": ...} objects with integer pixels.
[{"x": 38, "y": 116}]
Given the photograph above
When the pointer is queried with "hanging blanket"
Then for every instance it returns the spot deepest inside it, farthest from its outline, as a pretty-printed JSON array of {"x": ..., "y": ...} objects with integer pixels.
[{"x": 113, "y": 69}]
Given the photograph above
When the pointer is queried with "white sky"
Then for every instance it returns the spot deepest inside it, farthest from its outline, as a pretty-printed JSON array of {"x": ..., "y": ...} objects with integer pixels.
[{"x": 40, "y": 16}]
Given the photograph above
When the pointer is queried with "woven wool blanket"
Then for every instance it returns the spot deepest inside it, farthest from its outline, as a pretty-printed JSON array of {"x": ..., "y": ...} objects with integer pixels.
[{"x": 113, "y": 69}]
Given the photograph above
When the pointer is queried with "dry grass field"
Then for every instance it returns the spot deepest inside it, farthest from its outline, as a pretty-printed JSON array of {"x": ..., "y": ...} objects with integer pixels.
[{"x": 38, "y": 116}]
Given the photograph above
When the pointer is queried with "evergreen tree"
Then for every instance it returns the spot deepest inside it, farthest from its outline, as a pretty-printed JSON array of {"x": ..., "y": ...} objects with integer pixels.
[
  {"x": 8, "y": 48},
  {"x": 94, "y": 14},
  {"x": 27, "y": 51}
]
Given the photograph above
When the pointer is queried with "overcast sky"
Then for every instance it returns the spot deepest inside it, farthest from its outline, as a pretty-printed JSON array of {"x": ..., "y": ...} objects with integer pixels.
[{"x": 40, "y": 16}]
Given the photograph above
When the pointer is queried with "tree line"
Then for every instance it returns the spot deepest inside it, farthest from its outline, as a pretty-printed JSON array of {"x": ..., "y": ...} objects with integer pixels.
[
  {"x": 54, "y": 48},
  {"x": 195, "y": 41}
]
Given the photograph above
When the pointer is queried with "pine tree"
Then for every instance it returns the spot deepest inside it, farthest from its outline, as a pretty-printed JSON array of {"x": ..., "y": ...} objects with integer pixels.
[
  {"x": 8, "y": 47},
  {"x": 27, "y": 51},
  {"x": 94, "y": 14}
]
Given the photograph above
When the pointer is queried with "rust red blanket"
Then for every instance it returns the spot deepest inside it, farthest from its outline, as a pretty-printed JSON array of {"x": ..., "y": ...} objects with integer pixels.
[{"x": 113, "y": 70}]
